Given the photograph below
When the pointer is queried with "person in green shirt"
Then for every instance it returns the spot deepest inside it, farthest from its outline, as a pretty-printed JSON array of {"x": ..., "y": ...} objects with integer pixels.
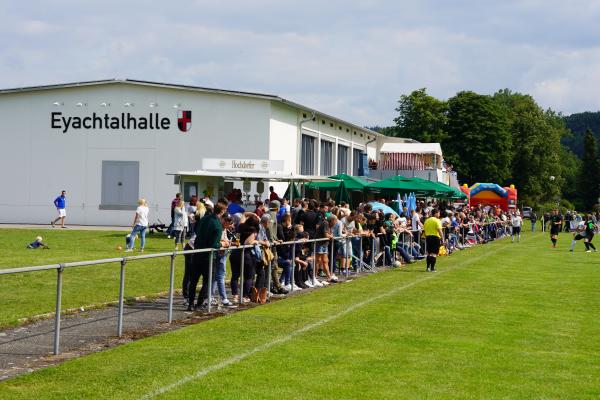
[
  {"x": 433, "y": 238},
  {"x": 208, "y": 235}
]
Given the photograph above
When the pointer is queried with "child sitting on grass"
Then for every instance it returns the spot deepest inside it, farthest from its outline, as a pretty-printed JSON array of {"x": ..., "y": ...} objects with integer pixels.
[{"x": 37, "y": 244}]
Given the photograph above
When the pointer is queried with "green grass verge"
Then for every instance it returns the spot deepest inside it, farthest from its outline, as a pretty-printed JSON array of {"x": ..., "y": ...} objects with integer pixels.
[
  {"x": 499, "y": 321},
  {"x": 27, "y": 295}
]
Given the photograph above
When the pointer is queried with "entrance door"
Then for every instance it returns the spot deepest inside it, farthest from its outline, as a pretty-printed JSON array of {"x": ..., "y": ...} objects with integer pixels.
[{"x": 120, "y": 185}]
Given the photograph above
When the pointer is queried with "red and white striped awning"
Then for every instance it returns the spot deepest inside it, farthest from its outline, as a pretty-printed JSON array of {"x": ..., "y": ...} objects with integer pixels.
[{"x": 403, "y": 161}]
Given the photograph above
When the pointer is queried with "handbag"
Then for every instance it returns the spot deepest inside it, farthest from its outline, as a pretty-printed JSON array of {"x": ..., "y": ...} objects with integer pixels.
[{"x": 267, "y": 255}]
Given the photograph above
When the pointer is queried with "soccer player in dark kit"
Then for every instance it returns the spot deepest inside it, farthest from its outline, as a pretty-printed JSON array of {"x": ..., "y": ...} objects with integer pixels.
[{"x": 555, "y": 224}]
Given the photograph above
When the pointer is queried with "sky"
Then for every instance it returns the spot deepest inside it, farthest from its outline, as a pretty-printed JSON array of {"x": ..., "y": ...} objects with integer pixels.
[{"x": 350, "y": 59}]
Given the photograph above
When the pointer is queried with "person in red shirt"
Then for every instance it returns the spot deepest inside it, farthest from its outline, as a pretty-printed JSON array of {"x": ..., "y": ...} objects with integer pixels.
[{"x": 273, "y": 195}]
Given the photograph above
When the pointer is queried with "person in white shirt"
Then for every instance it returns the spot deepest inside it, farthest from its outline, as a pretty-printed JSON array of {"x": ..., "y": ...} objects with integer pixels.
[
  {"x": 140, "y": 225},
  {"x": 206, "y": 200},
  {"x": 516, "y": 223},
  {"x": 416, "y": 223}
]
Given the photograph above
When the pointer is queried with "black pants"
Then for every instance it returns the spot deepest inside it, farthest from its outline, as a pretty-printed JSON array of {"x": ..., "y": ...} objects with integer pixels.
[
  {"x": 200, "y": 267},
  {"x": 261, "y": 275},
  {"x": 249, "y": 271},
  {"x": 187, "y": 271}
]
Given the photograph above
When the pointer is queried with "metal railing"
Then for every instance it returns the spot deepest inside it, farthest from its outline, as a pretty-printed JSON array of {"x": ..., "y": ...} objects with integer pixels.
[{"x": 375, "y": 249}]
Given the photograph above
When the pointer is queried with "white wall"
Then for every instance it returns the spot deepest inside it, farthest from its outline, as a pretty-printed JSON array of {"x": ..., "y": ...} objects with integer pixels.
[{"x": 37, "y": 161}]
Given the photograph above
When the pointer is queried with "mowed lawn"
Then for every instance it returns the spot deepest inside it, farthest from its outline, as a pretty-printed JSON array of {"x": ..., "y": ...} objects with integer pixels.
[
  {"x": 501, "y": 321},
  {"x": 26, "y": 295}
]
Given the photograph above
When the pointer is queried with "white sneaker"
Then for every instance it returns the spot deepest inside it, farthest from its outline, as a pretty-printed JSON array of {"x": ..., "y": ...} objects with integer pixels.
[
  {"x": 309, "y": 284},
  {"x": 317, "y": 283},
  {"x": 334, "y": 277},
  {"x": 288, "y": 287},
  {"x": 324, "y": 283},
  {"x": 297, "y": 287}
]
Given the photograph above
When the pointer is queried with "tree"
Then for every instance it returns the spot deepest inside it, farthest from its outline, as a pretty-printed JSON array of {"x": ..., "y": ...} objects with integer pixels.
[
  {"x": 479, "y": 142},
  {"x": 589, "y": 177},
  {"x": 421, "y": 117},
  {"x": 570, "y": 167}
]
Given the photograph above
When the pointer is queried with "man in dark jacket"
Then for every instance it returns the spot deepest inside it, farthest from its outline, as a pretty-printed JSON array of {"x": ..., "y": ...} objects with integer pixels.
[{"x": 208, "y": 236}]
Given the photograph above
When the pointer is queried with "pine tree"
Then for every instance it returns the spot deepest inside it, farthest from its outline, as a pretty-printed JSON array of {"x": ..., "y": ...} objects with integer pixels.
[{"x": 589, "y": 176}]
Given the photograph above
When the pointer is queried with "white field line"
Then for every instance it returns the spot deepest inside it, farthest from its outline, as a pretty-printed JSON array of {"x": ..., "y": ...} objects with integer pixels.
[{"x": 287, "y": 338}]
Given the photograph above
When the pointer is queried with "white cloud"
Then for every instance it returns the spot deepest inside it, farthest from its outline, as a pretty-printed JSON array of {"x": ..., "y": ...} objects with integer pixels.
[{"x": 349, "y": 59}]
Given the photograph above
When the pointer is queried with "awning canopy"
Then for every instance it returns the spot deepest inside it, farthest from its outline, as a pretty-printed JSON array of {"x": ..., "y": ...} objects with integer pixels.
[
  {"x": 351, "y": 183},
  {"x": 253, "y": 176},
  {"x": 411, "y": 148}
]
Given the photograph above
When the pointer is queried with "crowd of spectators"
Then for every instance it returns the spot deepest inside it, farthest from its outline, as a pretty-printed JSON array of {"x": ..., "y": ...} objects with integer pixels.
[{"x": 346, "y": 242}]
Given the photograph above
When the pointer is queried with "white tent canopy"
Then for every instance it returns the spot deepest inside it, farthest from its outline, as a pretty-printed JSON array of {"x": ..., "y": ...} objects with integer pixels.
[
  {"x": 411, "y": 148},
  {"x": 253, "y": 176}
]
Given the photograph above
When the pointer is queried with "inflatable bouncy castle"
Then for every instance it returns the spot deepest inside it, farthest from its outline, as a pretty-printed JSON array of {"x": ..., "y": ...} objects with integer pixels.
[{"x": 491, "y": 194}]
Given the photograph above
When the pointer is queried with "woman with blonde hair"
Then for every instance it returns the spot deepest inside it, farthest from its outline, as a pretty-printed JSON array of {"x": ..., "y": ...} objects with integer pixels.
[{"x": 140, "y": 225}]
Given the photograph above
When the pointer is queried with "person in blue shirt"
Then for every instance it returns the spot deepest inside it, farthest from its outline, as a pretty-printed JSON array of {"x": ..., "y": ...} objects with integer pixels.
[
  {"x": 60, "y": 203},
  {"x": 38, "y": 243}
]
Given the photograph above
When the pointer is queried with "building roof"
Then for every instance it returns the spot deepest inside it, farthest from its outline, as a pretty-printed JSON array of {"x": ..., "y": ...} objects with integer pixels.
[
  {"x": 412, "y": 148},
  {"x": 264, "y": 96},
  {"x": 242, "y": 175}
]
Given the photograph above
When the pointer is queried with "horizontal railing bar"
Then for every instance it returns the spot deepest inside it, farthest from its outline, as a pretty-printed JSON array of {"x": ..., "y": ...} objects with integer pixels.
[{"x": 195, "y": 251}]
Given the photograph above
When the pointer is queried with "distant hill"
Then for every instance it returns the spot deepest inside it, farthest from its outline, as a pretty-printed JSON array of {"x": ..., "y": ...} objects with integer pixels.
[{"x": 578, "y": 124}]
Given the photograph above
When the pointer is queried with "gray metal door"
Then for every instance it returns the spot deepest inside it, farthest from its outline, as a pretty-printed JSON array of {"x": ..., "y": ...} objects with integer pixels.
[{"x": 120, "y": 183}]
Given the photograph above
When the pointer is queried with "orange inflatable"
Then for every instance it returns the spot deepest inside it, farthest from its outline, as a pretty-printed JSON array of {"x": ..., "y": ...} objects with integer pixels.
[{"x": 491, "y": 194}]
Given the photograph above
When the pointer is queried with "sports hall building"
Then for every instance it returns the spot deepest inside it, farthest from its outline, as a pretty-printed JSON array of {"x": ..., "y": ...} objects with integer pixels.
[{"x": 110, "y": 142}]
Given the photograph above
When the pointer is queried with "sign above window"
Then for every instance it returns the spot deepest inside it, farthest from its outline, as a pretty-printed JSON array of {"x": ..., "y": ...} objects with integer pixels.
[{"x": 241, "y": 164}]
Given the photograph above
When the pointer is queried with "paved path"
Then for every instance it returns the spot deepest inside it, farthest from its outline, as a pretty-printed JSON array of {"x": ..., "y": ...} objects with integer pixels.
[
  {"x": 29, "y": 347},
  {"x": 71, "y": 227}
]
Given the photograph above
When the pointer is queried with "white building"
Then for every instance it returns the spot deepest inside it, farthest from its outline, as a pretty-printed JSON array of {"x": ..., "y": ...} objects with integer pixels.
[{"x": 109, "y": 142}]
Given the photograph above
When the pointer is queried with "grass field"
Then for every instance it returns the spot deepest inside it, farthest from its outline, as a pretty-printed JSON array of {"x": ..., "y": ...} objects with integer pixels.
[
  {"x": 31, "y": 294},
  {"x": 498, "y": 321}
]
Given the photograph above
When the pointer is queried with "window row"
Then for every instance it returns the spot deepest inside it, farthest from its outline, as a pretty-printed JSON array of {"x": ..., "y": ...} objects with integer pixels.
[{"x": 325, "y": 166}]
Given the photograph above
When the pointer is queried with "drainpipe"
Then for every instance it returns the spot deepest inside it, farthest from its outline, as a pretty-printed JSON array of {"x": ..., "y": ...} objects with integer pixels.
[
  {"x": 302, "y": 122},
  {"x": 366, "y": 148}
]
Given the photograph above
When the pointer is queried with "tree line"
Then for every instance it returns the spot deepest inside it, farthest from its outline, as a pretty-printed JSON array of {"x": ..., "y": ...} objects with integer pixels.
[{"x": 505, "y": 138}]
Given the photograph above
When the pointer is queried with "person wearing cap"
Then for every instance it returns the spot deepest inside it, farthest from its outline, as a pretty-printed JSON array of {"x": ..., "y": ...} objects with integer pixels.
[{"x": 274, "y": 238}]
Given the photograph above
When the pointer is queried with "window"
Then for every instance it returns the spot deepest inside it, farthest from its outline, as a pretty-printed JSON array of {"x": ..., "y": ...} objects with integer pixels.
[
  {"x": 120, "y": 185},
  {"x": 307, "y": 155},
  {"x": 356, "y": 161},
  {"x": 342, "y": 159},
  {"x": 326, "y": 158},
  {"x": 189, "y": 189}
]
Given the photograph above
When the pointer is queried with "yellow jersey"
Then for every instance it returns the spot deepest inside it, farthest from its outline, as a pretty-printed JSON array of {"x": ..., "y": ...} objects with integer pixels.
[{"x": 431, "y": 226}]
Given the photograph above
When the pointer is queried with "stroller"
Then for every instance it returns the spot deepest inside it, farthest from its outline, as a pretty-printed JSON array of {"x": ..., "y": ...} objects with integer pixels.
[{"x": 157, "y": 226}]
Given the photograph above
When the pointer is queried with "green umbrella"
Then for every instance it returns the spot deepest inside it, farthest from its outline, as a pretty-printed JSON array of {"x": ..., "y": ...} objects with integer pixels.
[
  {"x": 341, "y": 195},
  {"x": 323, "y": 185},
  {"x": 441, "y": 189},
  {"x": 400, "y": 184},
  {"x": 296, "y": 191},
  {"x": 351, "y": 182}
]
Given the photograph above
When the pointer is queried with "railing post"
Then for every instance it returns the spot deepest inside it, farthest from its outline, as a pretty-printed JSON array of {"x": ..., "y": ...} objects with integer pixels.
[
  {"x": 269, "y": 280},
  {"x": 314, "y": 254},
  {"x": 242, "y": 279},
  {"x": 58, "y": 307},
  {"x": 171, "y": 285},
  {"x": 293, "y": 267},
  {"x": 360, "y": 256},
  {"x": 373, "y": 253},
  {"x": 121, "y": 296},
  {"x": 332, "y": 262},
  {"x": 210, "y": 273}
]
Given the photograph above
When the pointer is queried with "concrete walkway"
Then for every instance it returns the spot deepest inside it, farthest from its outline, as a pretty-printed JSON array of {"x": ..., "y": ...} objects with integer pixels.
[
  {"x": 71, "y": 227},
  {"x": 27, "y": 348}
]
